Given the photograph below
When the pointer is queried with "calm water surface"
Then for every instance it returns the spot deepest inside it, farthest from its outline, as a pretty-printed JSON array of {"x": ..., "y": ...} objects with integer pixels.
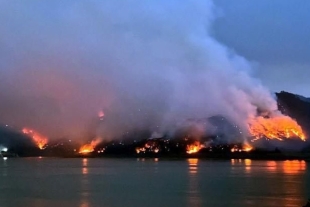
[{"x": 56, "y": 182}]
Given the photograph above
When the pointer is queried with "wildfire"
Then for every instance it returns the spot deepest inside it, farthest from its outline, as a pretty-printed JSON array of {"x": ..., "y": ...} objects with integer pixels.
[
  {"x": 88, "y": 148},
  {"x": 194, "y": 148},
  {"x": 140, "y": 149},
  {"x": 38, "y": 139},
  {"x": 244, "y": 148},
  {"x": 247, "y": 148},
  {"x": 278, "y": 127}
]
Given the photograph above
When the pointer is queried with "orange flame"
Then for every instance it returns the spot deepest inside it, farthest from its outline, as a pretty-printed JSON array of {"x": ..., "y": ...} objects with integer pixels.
[
  {"x": 38, "y": 139},
  {"x": 88, "y": 148},
  {"x": 247, "y": 148},
  {"x": 194, "y": 148},
  {"x": 278, "y": 127}
]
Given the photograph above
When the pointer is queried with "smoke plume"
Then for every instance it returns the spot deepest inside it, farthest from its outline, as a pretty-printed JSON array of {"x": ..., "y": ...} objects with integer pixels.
[{"x": 146, "y": 64}]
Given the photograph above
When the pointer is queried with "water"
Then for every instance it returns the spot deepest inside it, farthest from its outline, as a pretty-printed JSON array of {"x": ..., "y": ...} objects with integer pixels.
[{"x": 47, "y": 182}]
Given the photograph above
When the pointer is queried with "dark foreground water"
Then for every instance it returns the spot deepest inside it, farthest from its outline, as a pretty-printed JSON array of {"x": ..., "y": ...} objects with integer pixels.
[{"x": 55, "y": 182}]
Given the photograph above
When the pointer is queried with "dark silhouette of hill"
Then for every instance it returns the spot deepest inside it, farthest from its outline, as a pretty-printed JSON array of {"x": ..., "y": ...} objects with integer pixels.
[
  {"x": 297, "y": 107},
  {"x": 16, "y": 142}
]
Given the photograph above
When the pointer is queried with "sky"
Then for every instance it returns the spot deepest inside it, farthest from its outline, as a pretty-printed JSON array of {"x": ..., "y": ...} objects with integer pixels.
[
  {"x": 275, "y": 34},
  {"x": 147, "y": 64}
]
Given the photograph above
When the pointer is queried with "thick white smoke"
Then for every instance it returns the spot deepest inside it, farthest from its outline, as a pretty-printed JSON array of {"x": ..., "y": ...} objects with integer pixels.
[{"x": 147, "y": 64}]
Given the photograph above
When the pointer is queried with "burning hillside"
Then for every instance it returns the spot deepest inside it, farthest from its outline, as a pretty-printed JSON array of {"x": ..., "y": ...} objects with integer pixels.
[
  {"x": 90, "y": 147},
  {"x": 194, "y": 147},
  {"x": 280, "y": 127},
  {"x": 38, "y": 139}
]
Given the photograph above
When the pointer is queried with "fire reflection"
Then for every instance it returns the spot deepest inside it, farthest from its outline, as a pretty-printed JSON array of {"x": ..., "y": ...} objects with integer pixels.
[
  {"x": 236, "y": 161},
  {"x": 287, "y": 167},
  {"x": 85, "y": 204},
  {"x": 84, "y": 184},
  {"x": 293, "y": 179},
  {"x": 248, "y": 164},
  {"x": 192, "y": 165},
  {"x": 294, "y": 167},
  {"x": 285, "y": 181},
  {"x": 233, "y": 161},
  {"x": 194, "y": 197},
  {"x": 271, "y": 166},
  {"x": 84, "y": 167}
]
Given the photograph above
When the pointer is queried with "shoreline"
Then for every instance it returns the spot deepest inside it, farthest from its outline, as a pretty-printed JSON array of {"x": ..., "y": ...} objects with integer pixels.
[{"x": 217, "y": 157}]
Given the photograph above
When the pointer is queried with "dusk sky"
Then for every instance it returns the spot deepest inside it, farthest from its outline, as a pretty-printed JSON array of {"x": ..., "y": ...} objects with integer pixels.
[
  {"x": 148, "y": 63},
  {"x": 275, "y": 34}
]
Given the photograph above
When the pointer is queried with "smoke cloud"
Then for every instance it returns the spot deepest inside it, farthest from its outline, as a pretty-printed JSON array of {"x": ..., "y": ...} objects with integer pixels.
[{"x": 146, "y": 64}]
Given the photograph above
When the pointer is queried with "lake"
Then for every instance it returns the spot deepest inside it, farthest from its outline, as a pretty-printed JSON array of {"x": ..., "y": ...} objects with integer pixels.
[{"x": 92, "y": 182}]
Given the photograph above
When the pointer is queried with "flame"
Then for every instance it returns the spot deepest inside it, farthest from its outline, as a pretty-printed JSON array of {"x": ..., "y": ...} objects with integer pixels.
[
  {"x": 194, "y": 148},
  {"x": 245, "y": 148},
  {"x": 140, "y": 149},
  {"x": 88, "y": 148},
  {"x": 279, "y": 127},
  {"x": 38, "y": 139}
]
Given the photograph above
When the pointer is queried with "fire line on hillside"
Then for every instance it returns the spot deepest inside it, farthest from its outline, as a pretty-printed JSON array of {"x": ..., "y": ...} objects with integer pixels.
[{"x": 38, "y": 139}]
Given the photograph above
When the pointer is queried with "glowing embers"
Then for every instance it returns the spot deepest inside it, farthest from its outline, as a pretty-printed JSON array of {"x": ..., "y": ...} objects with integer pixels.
[
  {"x": 194, "y": 147},
  {"x": 244, "y": 148},
  {"x": 247, "y": 148},
  {"x": 279, "y": 127},
  {"x": 90, "y": 147},
  {"x": 140, "y": 150},
  {"x": 151, "y": 146},
  {"x": 38, "y": 139}
]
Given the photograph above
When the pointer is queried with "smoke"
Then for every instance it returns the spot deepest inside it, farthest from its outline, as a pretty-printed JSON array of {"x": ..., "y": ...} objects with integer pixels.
[{"x": 146, "y": 64}]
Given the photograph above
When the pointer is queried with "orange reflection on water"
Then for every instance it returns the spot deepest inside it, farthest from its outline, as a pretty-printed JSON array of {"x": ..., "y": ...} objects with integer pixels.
[
  {"x": 193, "y": 196},
  {"x": 85, "y": 204},
  {"x": 294, "y": 180},
  {"x": 294, "y": 166},
  {"x": 271, "y": 166},
  {"x": 236, "y": 161},
  {"x": 248, "y": 164},
  {"x": 233, "y": 161},
  {"x": 85, "y": 167},
  {"x": 193, "y": 162},
  {"x": 287, "y": 167},
  {"x": 85, "y": 185}
]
